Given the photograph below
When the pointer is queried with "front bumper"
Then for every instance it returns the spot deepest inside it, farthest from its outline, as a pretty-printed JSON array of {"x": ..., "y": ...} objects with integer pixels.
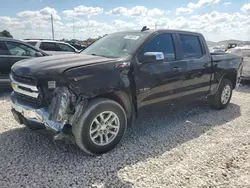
[{"x": 34, "y": 115}]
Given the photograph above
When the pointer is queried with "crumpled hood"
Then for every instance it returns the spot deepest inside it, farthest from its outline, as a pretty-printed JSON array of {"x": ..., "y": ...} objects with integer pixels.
[{"x": 54, "y": 65}]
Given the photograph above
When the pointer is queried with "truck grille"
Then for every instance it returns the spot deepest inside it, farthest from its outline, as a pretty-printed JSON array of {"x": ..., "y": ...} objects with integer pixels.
[
  {"x": 26, "y": 91},
  {"x": 24, "y": 99}
]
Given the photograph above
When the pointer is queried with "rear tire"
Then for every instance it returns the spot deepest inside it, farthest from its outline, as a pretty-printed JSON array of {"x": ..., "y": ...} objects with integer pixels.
[
  {"x": 223, "y": 95},
  {"x": 101, "y": 127}
]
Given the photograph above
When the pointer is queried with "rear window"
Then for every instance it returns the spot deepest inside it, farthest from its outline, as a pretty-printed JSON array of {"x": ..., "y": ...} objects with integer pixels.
[
  {"x": 48, "y": 46},
  {"x": 32, "y": 43},
  {"x": 191, "y": 46}
]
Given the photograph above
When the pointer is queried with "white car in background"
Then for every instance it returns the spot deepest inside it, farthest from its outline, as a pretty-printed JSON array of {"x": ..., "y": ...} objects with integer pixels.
[
  {"x": 52, "y": 47},
  {"x": 245, "y": 52}
]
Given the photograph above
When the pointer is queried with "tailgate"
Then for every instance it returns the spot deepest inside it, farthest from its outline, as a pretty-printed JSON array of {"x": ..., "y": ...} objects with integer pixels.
[{"x": 216, "y": 57}]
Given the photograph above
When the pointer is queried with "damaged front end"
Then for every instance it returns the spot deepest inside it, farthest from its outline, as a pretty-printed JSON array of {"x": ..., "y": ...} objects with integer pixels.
[
  {"x": 66, "y": 107},
  {"x": 62, "y": 112}
]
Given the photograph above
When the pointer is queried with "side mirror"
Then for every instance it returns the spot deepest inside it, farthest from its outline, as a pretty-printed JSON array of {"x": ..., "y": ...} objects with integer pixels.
[
  {"x": 153, "y": 57},
  {"x": 38, "y": 54}
]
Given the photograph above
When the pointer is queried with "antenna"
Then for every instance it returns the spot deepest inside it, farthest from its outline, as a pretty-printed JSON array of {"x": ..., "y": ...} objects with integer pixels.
[
  {"x": 145, "y": 28},
  {"x": 52, "y": 27}
]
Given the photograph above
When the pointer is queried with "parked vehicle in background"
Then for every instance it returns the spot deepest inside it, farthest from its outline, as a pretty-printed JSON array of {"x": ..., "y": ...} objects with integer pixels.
[
  {"x": 78, "y": 46},
  {"x": 245, "y": 52},
  {"x": 52, "y": 47},
  {"x": 217, "y": 50},
  {"x": 231, "y": 45},
  {"x": 11, "y": 51},
  {"x": 92, "y": 97}
]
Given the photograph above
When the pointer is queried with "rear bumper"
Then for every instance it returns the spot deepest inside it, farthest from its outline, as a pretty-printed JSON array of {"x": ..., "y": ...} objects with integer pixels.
[{"x": 23, "y": 113}]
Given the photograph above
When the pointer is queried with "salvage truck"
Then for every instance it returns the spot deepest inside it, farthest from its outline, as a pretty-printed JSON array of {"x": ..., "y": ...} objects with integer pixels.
[{"x": 91, "y": 98}]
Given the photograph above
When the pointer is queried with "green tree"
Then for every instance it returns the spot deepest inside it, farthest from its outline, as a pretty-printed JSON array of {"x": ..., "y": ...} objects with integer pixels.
[{"x": 5, "y": 33}]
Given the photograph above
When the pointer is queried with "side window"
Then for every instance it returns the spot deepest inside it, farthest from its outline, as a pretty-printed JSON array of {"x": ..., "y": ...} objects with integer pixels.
[
  {"x": 191, "y": 46},
  {"x": 32, "y": 43},
  {"x": 48, "y": 46},
  {"x": 3, "y": 50},
  {"x": 19, "y": 49},
  {"x": 64, "y": 47},
  {"x": 161, "y": 43}
]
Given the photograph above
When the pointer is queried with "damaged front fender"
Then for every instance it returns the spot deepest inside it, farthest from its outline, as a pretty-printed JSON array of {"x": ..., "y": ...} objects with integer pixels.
[
  {"x": 66, "y": 107},
  {"x": 62, "y": 105}
]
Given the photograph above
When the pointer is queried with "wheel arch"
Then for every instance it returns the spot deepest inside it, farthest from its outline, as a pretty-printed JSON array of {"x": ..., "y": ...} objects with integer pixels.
[
  {"x": 231, "y": 75},
  {"x": 125, "y": 100}
]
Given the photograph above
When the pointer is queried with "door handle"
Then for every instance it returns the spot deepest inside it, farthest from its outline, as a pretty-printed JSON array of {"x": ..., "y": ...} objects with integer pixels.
[{"x": 177, "y": 69}]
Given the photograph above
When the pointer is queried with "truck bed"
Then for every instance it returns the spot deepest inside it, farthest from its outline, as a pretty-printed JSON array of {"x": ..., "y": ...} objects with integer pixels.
[{"x": 224, "y": 56}]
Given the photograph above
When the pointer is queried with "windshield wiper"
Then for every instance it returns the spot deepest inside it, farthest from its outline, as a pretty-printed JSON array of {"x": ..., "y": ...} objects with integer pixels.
[
  {"x": 103, "y": 56},
  {"x": 100, "y": 55}
]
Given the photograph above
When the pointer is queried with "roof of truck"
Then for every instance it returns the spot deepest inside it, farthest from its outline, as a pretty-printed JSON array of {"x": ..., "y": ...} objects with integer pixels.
[{"x": 160, "y": 30}]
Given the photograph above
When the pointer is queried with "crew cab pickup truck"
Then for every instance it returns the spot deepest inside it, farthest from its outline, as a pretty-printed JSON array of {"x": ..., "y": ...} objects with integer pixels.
[{"x": 91, "y": 98}]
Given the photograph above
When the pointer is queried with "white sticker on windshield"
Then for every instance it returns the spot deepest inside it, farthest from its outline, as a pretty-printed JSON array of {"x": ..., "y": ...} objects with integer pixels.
[{"x": 131, "y": 37}]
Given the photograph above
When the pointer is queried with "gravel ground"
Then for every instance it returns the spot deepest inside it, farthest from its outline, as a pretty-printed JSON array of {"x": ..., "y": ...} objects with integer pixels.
[{"x": 192, "y": 147}]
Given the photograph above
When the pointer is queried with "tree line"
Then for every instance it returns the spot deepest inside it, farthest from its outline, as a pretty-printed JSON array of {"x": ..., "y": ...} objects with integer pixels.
[
  {"x": 87, "y": 42},
  {"x": 5, "y": 33}
]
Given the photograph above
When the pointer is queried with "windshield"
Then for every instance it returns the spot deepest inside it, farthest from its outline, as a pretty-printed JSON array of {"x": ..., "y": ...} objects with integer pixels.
[{"x": 116, "y": 44}]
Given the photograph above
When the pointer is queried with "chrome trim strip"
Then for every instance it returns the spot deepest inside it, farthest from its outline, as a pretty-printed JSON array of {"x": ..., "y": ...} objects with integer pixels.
[
  {"x": 33, "y": 88},
  {"x": 30, "y": 94}
]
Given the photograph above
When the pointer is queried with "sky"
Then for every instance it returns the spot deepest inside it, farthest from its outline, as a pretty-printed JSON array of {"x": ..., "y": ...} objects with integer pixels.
[{"x": 81, "y": 19}]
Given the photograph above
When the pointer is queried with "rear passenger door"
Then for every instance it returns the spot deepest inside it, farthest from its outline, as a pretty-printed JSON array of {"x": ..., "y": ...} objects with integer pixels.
[
  {"x": 49, "y": 47},
  {"x": 198, "y": 67}
]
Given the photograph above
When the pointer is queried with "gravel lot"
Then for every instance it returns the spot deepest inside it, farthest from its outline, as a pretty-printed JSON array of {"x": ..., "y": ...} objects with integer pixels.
[{"x": 192, "y": 147}]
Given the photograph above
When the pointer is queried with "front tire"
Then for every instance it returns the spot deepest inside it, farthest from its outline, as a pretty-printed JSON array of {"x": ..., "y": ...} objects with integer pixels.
[
  {"x": 101, "y": 127},
  {"x": 223, "y": 95}
]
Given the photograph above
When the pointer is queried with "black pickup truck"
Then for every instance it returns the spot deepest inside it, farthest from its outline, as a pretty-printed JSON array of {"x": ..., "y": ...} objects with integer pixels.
[{"x": 91, "y": 98}]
